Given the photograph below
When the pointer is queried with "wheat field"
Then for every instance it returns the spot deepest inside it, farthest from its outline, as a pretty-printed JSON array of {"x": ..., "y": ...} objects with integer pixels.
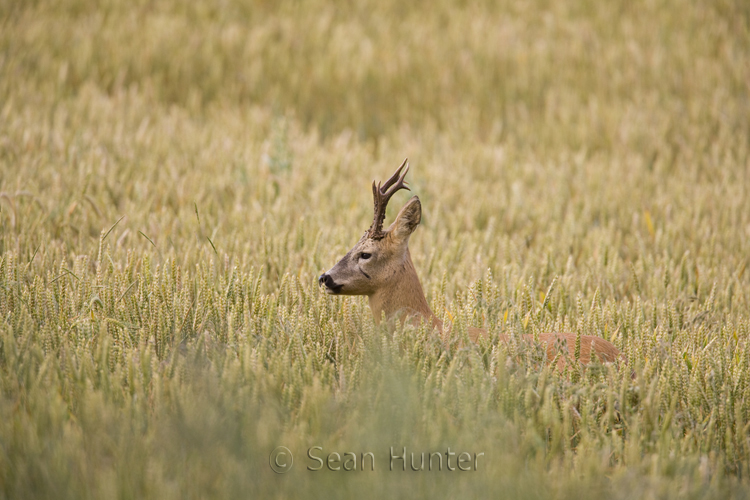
[{"x": 174, "y": 176}]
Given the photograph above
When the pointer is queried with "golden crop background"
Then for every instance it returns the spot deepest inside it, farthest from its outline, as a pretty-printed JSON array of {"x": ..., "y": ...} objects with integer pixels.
[{"x": 175, "y": 175}]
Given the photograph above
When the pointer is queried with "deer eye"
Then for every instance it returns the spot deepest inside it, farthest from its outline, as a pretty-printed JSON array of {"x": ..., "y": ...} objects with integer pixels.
[{"x": 365, "y": 256}]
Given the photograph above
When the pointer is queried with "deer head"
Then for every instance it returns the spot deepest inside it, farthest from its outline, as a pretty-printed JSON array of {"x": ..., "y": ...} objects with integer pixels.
[{"x": 379, "y": 265}]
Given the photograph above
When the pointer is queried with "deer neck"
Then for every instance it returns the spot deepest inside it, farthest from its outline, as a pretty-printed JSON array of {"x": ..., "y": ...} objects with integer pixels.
[{"x": 403, "y": 295}]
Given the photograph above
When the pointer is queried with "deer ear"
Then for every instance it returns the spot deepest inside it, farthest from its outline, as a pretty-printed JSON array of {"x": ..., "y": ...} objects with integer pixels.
[{"x": 407, "y": 220}]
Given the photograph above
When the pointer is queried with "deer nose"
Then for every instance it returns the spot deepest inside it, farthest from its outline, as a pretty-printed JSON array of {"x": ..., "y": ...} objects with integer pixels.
[
  {"x": 331, "y": 286},
  {"x": 326, "y": 280}
]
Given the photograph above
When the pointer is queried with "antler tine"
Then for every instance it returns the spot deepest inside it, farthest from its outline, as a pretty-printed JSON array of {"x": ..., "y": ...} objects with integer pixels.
[
  {"x": 397, "y": 175},
  {"x": 382, "y": 194}
]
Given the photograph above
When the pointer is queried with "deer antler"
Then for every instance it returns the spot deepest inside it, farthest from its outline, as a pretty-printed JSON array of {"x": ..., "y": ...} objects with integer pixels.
[{"x": 381, "y": 196}]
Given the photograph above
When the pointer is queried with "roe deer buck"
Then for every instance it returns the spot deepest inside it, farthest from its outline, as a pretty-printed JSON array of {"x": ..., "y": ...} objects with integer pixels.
[{"x": 380, "y": 267}]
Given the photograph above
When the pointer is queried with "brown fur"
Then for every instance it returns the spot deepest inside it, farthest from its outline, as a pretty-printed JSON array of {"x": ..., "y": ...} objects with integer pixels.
[
  {"x": 563, "y": 346},
  {"x": 381, "y": 268},
  {"x": 405, "y": 294}
]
